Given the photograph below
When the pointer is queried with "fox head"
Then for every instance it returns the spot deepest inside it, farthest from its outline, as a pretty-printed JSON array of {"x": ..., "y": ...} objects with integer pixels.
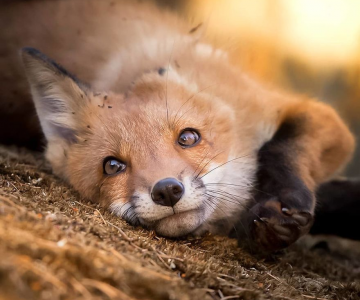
[{"x": 159, "y": 155}]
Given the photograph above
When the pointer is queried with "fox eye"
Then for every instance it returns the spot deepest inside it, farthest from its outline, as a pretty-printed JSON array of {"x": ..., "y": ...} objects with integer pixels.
[
  {"x": 113, "y": 166},
  {"x": 188, "y": 138}
]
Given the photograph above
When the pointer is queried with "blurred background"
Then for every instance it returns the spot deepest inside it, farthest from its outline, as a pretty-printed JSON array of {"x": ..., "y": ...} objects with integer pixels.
[{"x": 306, "y": 46}]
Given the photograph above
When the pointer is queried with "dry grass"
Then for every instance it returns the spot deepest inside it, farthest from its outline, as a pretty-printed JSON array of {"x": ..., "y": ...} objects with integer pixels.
[{"x": 54, "y": 245}]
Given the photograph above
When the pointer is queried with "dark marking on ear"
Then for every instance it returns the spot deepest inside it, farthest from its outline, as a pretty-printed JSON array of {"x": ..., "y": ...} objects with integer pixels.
[
  {"x": 65, "y": 133},
  {"x": 55, "y": 66},
  {"x": 52, "y": 106},
  {"x": 161, "y": 71},
  {"x": 192, "y": 30}
]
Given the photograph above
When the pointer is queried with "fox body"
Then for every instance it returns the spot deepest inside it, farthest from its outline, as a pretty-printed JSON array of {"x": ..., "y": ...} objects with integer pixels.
[{"x": 161, "y": 128}]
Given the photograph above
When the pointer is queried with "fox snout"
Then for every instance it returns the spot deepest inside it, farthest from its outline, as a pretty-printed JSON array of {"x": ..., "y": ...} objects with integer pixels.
[{"x": 167, "y": 192}]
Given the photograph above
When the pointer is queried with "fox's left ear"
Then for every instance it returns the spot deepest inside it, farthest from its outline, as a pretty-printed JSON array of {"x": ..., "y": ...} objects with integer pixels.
[{"x": 57, "y": 95}]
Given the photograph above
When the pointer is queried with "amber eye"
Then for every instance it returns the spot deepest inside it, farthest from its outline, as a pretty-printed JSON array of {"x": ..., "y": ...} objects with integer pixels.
[
  {"x": 188, "y": 138},
  {"x": 113, "y": 166}
]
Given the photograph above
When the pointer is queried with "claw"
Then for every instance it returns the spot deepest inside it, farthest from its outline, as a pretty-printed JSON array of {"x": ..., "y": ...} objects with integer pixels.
[
  {"x": 286, "y": 211},
  {"x": 301, "y": 219},
  {"x": 285, "y": 238},
  {"x": 282, "y": 230},
  {"x": 264, "y": 220}
]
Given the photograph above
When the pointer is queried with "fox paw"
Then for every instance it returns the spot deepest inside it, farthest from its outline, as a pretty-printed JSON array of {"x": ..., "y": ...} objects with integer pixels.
[{"x": 276, "y": 226}]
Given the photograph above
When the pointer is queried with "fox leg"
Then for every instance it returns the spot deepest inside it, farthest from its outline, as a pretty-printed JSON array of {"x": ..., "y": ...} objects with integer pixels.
[
  {"x": 311, "y": 144},
  {"x": 338, "y": 209}
]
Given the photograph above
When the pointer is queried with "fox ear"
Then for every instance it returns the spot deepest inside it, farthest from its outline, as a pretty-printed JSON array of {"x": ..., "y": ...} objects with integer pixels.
[{"x": 56, "y": 93}]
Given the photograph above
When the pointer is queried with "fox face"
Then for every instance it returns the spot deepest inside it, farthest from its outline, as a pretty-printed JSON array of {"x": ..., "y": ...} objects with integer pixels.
[{"x": 157, "y": 155}]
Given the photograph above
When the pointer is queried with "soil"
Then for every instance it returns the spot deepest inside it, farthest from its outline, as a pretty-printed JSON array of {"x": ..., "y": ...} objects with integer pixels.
[{"x": 55, "y": 245}]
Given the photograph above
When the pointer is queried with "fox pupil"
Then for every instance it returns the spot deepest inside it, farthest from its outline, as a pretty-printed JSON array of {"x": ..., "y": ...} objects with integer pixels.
[
  {"x": 188, "y": 138},
  {"x": 113, "y": 166}
]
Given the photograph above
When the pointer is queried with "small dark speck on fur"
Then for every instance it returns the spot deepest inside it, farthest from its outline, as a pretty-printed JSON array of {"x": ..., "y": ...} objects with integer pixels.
[
  {"x": 162, "y": 71},
  {"x": 195, "y": 28}
]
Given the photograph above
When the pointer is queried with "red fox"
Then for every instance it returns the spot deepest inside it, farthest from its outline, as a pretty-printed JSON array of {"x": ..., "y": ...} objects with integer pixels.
[{"x": 160, "y": 127}]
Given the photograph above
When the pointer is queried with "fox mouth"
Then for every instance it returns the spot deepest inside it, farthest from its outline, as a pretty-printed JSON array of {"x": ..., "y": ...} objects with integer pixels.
[{"x": 178, "y": 224}]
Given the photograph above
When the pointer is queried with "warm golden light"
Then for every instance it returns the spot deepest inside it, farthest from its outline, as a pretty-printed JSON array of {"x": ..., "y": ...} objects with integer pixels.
[{"x": 322, "y": 31}]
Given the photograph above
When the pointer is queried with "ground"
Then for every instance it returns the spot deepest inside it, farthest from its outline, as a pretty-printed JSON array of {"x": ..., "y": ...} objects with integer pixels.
[{"x": 55, "y": 245}]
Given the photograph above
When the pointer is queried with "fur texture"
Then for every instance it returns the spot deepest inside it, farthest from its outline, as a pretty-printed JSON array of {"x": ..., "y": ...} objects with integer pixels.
[{"x": 135, "y": 113}]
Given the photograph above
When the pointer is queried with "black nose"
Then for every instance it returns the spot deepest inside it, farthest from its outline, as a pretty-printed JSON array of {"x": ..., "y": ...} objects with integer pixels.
[{"x": 167, "y": 192}]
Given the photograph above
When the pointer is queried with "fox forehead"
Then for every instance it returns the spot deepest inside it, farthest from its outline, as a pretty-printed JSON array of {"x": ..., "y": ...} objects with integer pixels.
[{"x": 149, "y": 116}]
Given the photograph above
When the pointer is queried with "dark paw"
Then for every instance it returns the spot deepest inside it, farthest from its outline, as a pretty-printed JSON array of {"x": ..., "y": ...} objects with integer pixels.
[{"x": 276, "y": 226}]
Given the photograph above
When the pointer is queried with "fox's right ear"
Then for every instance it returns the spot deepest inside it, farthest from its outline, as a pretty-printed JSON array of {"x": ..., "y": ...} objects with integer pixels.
[{"x": 56, "y": 93}]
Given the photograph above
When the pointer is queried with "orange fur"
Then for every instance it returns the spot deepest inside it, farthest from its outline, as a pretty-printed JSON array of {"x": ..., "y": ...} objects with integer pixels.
[{"x": 117, "y": 47}]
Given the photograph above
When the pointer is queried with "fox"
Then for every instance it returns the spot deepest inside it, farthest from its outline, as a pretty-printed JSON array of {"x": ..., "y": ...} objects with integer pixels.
[{"x": 142, "y": 115}]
